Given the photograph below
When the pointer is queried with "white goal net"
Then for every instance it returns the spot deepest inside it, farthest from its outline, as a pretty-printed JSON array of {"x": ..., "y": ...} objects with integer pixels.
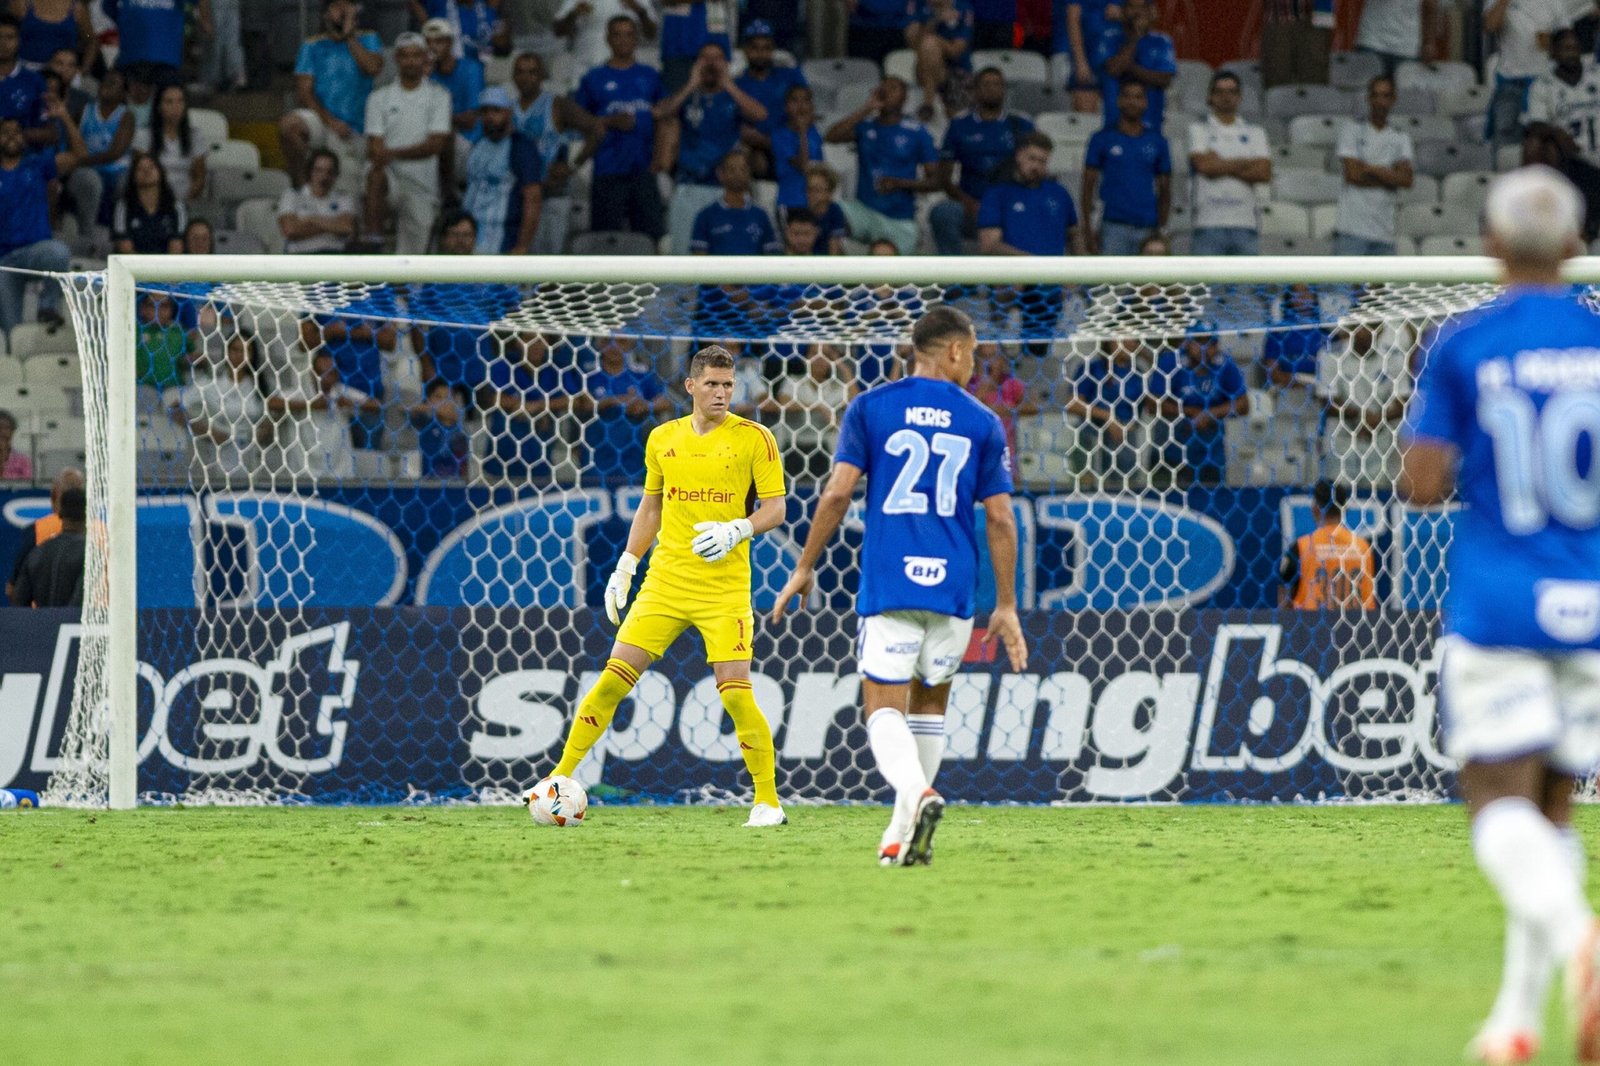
[{"x": 375, "y": 518}]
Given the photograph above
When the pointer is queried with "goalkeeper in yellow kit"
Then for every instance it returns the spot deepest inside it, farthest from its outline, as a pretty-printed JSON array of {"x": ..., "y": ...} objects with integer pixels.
[{"x": 701, "y": 472}]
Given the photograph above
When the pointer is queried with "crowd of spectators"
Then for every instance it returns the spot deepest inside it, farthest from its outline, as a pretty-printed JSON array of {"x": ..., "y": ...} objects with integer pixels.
[{"x": 694, "y": 128}]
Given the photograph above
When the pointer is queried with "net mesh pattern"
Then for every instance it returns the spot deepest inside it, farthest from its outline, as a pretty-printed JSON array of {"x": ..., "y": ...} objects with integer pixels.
[{"x": 358, "y": 584}]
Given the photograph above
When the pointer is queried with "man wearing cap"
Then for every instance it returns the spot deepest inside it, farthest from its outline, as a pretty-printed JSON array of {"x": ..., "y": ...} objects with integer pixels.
[
  {"x": 503, "y": 175},
  {"x": 408, "y": 129},
  {"x": 688, "y": 27},
  {"x": 1207, "y": 388},
  {"x": 332, "y": 80},
  {"x": 462, "y": 77},
  {"x": 706, "y": 113},
  {"x": 769, "y": 84}
]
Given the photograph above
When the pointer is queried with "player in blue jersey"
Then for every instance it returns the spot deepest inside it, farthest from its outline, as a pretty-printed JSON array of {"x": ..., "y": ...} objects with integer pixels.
[
  {"x": 931, "y": 454},
  {"x": 1508, "y": 411}
]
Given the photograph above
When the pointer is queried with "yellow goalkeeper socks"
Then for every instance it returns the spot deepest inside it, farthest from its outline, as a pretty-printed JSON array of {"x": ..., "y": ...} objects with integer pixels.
[
  {"x": 594, "y": 714},
  {"x": 755, "y": 737}
]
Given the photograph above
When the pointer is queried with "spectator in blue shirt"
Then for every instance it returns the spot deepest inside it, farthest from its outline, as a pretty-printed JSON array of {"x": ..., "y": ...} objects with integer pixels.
[
  {"x": 943, "y": 43},
  {"x": 462, "y": 77},
  {"x": 1292, "y": 348},
  {"x": 982, "y": 142},
  {"x": 795, "y": 146},
  {"x": 895, "y": 162},
  {"x": 332, "y": 79},
  {"x": 504, "y": 172},
  {"x": 442, "y": 443},
  {"x": 150, "y": 37},
  {"x": 359, "y": 346},
  {"x": 1207, "y": 389},
  {"x": 770, "y": 84},
  {"x": 1131, "y": 167},
  {"x": 878, "y": 27},
  {"x": 1110, "y": 394},
  {"x": 480, "y": 28},
  {"x": 994, "y": 24},
  {"x": 460, "y": 352},
  {"x": 703, "y": 118},
  {"x": 624, "y": 400},
  {"x": 1028, "y": 213},
  {"x": 22, "y": 88},
  {"x": 733, "y": 225},
  {"x": 25, "y": 239},
  {"x": 688, "y": 28},
  {"x": 1077, "y": 27},
  {"x": 1135, "y": 49},
  {"x": 822, "y": 184},
  {"x": 527, "y": 390},
  {"x": 801, "y": 234},
  {"x": 622, "y": 94}
]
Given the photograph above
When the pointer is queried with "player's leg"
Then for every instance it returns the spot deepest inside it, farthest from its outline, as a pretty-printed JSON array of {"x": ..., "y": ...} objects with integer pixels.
[
  {"x": 925, "y": 715},
  {"x": 728, "y": 643},
  {"x": 944, "y": 645},
  {"x": 886, "y": 655},
  {"x": 1503, "y": 722}
]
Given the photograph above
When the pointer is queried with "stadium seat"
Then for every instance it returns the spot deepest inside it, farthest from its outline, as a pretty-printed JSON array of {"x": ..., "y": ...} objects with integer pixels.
[
  {"x": 1289, "y": 220},
  {"x": 237, "y": 155},
  {"x": 497, "y": 70},
  {"x": 1425, "y": 127},
  {"x": 231, "y": 186},
  {"x": 1404, "y": 245},
  {"x": 259, "y": 217},
  {"x": 1065, "y": 127},
  {"x": 1434, "y": 220},
  {"x": 1407, "y": 102},
  {"x": 1061, "y": 69},
  {"x": 842, "y": 158},
  {"x": 30, "y": 339},
  {"x": 10, "y": 377},
  {"x": 848, "y": 98},
  {"x": 1424, "y": 190},
  {"x": 1468, "y": 189},
  {"x": 1441, "y": 78},
  {"x": 1471, "y": 101},
  {"x": 1353, "y": 70},
  {"x": 839, "y": 72},
  {"x": 54, "y": 460},
  {"x": 1032, "y": 98},
  {"x": 612, "y": 242},
  {"x": 234, "y": 242},
  {"x": 764, "y": 194},
  {"x": 1305, "y": 186},
  {"x": 1508, "y": 157},
  {"x": 209, "y": 127},
  {"x": 1290, "y": 101},
  {"x": 1323, "y": 218},
  {"x": 900, "y": 63},
  {"x": 1297, "y": 157},
  {"x": 1444, "y": 245},
  {"x": 62, "y": 370},
  {"x": 1442, "y": 159},
  {"x": 1016, "y": 64},
  {"x": 1282, "y": 244},
  {"x": 1315, "y": 131}
]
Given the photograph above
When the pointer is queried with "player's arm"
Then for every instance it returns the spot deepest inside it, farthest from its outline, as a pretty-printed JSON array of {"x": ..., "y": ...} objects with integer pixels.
[
  {"x": 646, "y": 525},
  {"x": 832, "y": 505},
  {"x": 1427, "y": 472},
  {"x": 1000, "y": 527}
]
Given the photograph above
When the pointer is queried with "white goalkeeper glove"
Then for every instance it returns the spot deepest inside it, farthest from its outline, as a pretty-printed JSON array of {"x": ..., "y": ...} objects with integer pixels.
[
  {"x": 717, "y": 539},
  {"x": 619, "y": 586}
]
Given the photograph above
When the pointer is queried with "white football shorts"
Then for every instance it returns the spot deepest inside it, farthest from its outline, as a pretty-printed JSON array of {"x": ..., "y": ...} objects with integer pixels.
[
  {"x": 894, "y": 647},
  {"x": 1501, "y": 703}
]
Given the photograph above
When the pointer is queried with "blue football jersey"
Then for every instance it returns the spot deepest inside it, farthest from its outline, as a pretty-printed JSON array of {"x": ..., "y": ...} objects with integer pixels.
[
  {"x": 1515, "y": 388},
  {"x": 931, "y": 452}
]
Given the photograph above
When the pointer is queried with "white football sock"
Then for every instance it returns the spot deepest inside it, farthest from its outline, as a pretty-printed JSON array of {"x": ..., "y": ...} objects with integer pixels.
[
  {"x": 1529, "y": 962},
  {"x": 1523, "y": 856},
  {"x": 1573, "y": 843},
  {"x": 928, "y": 731},
  {"x": 895, "y": 750}
]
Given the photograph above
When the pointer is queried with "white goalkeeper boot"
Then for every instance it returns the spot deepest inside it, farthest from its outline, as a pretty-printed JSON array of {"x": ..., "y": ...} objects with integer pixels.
[{"x": 763, "y": 815}]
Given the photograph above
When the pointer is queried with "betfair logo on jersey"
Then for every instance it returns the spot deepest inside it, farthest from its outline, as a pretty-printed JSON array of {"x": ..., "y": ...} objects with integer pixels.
[
  {"x": 925, "y": 570},
  {"x": 682, "y": 495},
  {"x": 928, "y": 416}
]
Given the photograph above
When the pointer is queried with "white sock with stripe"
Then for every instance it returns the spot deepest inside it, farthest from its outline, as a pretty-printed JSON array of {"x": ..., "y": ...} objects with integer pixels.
[
  {"x": 895, "y": 750},
  {"x": 928, "y": 731}
]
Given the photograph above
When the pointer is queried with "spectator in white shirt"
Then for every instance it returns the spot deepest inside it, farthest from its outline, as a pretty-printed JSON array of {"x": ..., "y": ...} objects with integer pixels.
[
  {"x": 1376, "y": 160},
  {"x": 1364, "y": 379},
  {"x": 1525, "y": 29},
  {"x": 1230, "y": 158},
  {"x": 223, "y": 409},
  {"x": 408, "y": 128},
  {"x": 585, "y": 22},
  {"x": 316, "y": 218},
  {"x": 1564, "y": 103},
  {"x": 314, "y": 421},
  {"x": 1398, "y": 30}
]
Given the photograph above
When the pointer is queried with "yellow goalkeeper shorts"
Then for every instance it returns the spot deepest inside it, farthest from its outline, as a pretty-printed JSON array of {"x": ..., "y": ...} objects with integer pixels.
[{"x": 656, "y": 619}]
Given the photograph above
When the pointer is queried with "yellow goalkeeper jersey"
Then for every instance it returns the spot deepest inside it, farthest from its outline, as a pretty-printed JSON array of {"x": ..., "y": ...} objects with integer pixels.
[{"x": 712, "y": 478}]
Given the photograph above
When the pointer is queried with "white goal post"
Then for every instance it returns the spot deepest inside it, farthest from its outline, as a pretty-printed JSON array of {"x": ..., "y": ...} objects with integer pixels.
[{"x": 125, "y": 274}]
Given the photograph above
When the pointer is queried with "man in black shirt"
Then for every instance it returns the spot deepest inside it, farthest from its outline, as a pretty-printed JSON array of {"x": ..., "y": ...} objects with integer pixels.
[{"x": 52, "y": 576}]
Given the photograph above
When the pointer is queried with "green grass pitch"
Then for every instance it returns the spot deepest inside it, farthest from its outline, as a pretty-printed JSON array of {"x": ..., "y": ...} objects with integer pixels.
[{"x": 1193, "y": 936}]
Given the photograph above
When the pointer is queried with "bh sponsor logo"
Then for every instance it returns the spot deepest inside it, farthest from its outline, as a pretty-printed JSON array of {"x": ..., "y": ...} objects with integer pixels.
[{"x": 926, "y": 570}]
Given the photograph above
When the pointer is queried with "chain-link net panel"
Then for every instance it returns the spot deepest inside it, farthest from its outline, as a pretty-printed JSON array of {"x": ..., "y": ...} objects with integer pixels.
[{"x": 376, "y": 522}]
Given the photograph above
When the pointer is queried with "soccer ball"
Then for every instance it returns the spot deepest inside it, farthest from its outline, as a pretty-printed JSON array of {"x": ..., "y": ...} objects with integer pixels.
[{"x": 557, "y": 801}]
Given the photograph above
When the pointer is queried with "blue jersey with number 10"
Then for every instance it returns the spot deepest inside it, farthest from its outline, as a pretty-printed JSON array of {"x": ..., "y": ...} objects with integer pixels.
[
  {"x": 931, "y": 453},
  {"x": 1515, "y": 388}
]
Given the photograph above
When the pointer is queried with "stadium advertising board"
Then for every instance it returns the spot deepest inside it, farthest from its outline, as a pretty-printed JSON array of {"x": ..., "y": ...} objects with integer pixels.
[{"x": 391, "y": 704}]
